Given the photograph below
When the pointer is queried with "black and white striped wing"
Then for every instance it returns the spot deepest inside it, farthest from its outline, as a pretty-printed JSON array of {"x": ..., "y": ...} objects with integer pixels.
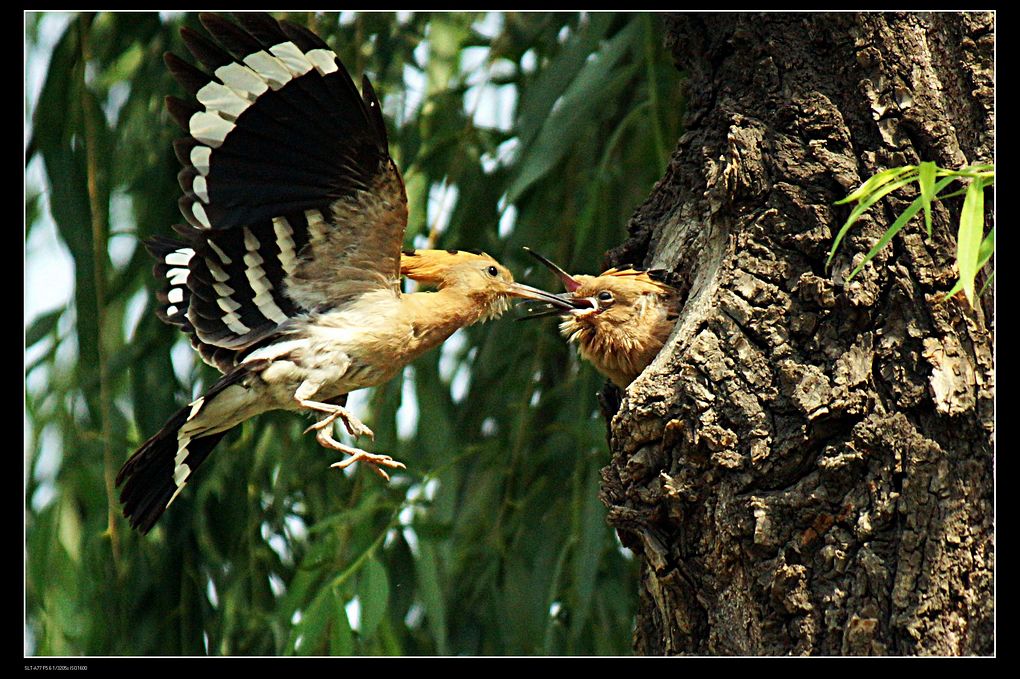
[{"x": 292, "y": 200}]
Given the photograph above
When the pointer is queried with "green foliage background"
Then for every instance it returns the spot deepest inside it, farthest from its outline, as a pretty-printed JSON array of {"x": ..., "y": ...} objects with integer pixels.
[{"x": 494, "y": 540}]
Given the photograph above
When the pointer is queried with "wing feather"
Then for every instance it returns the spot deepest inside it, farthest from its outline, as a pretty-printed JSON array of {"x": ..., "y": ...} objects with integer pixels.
[{"x": 292, "y": 201}]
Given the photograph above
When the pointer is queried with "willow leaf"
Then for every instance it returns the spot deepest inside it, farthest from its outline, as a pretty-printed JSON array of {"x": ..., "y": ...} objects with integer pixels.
[
  {"x": 866, "y": 202},
  {"x": 926, "y": 182},
  {"x": 902, "y": 221},
  {"x": 968, "y": 240}
]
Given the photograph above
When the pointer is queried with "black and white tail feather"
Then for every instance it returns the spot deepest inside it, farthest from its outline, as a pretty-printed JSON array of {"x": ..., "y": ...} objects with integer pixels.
[{"x": 278, "y": 137}]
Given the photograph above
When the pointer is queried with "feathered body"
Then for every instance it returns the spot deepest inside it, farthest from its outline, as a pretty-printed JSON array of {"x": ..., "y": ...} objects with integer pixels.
[
  {"x": 621, "y": 334},
  {"x": 287, "y": 279},
  {"x": 619, "y": 320}
]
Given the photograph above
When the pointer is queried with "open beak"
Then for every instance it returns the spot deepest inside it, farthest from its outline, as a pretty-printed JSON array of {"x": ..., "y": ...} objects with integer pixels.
[
  {"x": 569, "y": 282},
  {"x": 564, "y": 304}
]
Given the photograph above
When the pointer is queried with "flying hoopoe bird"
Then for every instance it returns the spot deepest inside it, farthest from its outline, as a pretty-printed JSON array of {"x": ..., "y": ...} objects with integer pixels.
[
  {"x": 619, "y": 319},
  {"x": 287, "y": 279}
]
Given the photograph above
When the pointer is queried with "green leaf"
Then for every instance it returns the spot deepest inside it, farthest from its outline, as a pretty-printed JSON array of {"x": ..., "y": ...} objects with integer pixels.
[
  {"x": 866, "y": 202},
  {"x": 875, "y": 182},
  {"x": 374, "y": 590},
  {"x": 538, "y": 100},
  {"x": 42, "y": 326},
  {"x": 432, "y": 594},
  {"x": 341, "y": 638},
  {"x": 926, "y": 182},
  {"x": 968, "y": 240},
  {"x": 325, "y": 614},
  {"x": 581, "y": 101},
  {"x": 987, "y": 249},
  {"x": 907, "y": 215},
  {"x": 985, "y": 254}
]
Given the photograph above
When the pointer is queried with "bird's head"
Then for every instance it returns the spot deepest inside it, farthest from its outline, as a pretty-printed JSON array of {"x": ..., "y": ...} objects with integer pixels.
[
  {"x": 619, "y": 319},
  {"x": 488, "y": 284}
]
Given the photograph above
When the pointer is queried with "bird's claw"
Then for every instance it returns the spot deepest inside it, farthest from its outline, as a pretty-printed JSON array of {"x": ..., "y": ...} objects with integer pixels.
[
  {"x": 357, "y": 455},
  {"x": 374, "y": 461}
]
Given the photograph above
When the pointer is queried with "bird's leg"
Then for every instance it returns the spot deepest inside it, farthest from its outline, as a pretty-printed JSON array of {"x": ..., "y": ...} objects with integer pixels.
[
  {"x": 357, "y": 455},
  {"x": 356, "y": 428}
]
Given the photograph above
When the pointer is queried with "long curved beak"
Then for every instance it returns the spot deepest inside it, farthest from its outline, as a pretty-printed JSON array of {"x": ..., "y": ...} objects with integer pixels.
[
  {"x": 563, "y": 304},
  {"x": 569, "y": 282},
  {"x": 528, "y": 292}
]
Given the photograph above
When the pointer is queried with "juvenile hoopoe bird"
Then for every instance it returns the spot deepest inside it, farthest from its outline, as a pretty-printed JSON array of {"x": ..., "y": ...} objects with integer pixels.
[
  {"x": 619, "y": 319},
  {"x": 288, "y": 275}
]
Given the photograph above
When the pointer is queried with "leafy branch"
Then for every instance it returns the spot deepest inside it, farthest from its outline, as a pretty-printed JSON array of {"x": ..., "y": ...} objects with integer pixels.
[{"x": 972, "y": 251}]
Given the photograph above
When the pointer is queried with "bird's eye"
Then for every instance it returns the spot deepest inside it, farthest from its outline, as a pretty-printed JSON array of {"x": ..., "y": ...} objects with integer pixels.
[
  {"x": 492, "y": 271},
  {"x": 605, "y": 296}
]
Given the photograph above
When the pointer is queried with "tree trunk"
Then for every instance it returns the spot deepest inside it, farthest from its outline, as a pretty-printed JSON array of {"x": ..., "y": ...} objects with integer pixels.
[{"x": 807, "y": 466}]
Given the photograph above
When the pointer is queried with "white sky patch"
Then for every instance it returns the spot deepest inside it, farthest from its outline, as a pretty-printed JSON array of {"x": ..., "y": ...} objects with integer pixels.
[
  {"x": 277, "y": 543},
  {"x": 411, "y": 538},
  {"x": 507, "y": 221},
  {"x": 358, "y": 402},
  {"x": 37, "y": 59},
  {"x": 504, "y": 155},
  {"x": 413, "y": 93},
  {"x": 493, "y": 105},
  {"x": 490, "y": 25},
  {"x": 415, "y": 614},
  {"x": 430, "y": 488},
  {"x": 353, "y": 609},
  {"x": 421, "y": 51},
  {"x": 489, "y": 427},
  {"x": 295, "y": 527},
  {"x": 472, "y": 63},
  {"x": 182, "y": 358},
  {"x": 449, "y": 354},
  {"x": 276, "y": 585},
  {"x": 529, "y": 61},
  {"x": 122, "y": 243},
  {"x": 47, "y": 464},
  {"x": 442, "y": 200},
  {"x": 627, "y": 554},
  {"x": 461, "y": 379},
  {"x": 210, "y": 592},
  {"x": 406, "y": 516},
  {"x": 407, "y": 413},
  {"x": 116, "y": 97},
  {"x": 536, "y": 396},
  {"x": 460, "y": 383},
  {"x": 133, "y": 311},
  {"x": 49, "y": 268}
]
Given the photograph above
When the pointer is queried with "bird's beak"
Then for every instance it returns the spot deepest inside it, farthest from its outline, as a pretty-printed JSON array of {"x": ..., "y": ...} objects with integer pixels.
[
  {"x": 528, "y": 292},
  {"x": 564, "y": 304},
  {"x": 569, "y": 282}
]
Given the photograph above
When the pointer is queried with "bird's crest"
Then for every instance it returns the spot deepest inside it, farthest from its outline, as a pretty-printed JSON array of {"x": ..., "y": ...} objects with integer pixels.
[{"x": 652, "y": 279}]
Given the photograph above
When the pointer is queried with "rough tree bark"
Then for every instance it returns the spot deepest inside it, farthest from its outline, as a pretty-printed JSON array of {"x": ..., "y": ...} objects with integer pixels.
[{"x": 807, "y": 466}]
